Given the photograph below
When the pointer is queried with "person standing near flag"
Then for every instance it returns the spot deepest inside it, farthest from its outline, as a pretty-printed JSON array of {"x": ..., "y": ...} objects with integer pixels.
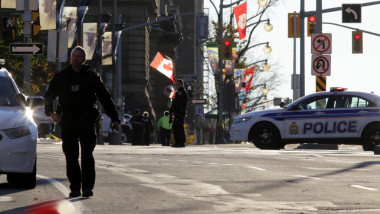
[
  {"x": 165, "y": 127},
  {"x": 178, "y": 110}
]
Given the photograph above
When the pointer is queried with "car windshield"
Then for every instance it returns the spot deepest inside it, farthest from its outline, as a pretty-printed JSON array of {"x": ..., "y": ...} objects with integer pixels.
[{"x": 7, "y": 93}]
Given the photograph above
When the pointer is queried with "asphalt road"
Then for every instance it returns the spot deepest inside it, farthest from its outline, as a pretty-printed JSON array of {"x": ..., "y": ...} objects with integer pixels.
[{"x": 232, "y": 178}]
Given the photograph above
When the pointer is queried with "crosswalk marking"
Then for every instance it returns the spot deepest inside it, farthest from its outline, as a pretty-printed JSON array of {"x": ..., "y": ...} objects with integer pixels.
[{"x": 5, "y": 198}]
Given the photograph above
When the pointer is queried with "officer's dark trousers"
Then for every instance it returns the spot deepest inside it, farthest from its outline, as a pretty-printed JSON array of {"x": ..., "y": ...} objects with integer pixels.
[
  {"x": 179, "y": 130},
  {"x": 146, "y": 138},
  {"x": 165, "y": 136},
  {"x": 84, "y": 174}
]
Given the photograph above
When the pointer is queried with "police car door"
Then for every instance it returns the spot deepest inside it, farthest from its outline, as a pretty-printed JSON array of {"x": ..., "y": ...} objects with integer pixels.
[
  {"x": 347, "y": 116},
  {"x": 307, "y": 118}
]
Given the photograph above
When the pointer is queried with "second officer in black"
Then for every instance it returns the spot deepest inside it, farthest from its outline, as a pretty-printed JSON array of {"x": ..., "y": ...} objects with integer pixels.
[{"x": 77, "y": 88}]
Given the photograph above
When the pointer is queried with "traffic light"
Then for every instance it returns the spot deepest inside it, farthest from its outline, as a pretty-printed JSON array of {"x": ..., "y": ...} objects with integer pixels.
[
  {"x": 357, "y": 41},
  {"x": 36, "y": 23},
  {"x": 311, "y": 25},
  {"x": 227, "y": 48}
]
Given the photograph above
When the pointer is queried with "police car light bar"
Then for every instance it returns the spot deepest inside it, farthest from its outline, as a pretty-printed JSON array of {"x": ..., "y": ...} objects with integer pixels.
[{"x": 337, "y": 89}]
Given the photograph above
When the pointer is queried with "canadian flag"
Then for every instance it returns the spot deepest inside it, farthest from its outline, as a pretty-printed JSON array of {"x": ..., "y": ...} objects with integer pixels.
[
  {"x": 240, "y": 12},
  {"x": 168, "y": 90},
  {"x": 248, "y": 76},
  {"x": 163, "y": 65}
]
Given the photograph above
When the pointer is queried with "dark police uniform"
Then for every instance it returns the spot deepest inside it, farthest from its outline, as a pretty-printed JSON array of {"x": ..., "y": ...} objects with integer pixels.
[
  {"x": 179, "y": 108},
  {"x": 77, "y": 94},
  {"x": 148, "y": 127},
  {"x": 137, "y": 129}
]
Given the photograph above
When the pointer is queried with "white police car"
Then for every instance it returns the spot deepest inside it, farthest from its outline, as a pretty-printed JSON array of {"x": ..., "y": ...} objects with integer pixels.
[
  {"x": 335, "y": 117},
  {"x": 18, "y": 133}
]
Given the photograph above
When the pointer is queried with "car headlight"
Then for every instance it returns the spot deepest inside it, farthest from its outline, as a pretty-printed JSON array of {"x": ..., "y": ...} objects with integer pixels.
[
  {"x": 242, "y": 119},
  {"x": 17, "y": 132}
]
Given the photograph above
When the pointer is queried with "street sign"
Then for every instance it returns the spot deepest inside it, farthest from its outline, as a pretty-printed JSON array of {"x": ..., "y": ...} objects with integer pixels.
[
  {"x": 24, "y": 48},
  {"x": 198, "y": 101},
  {"x": 321, "y": 43},
  {"x": 351, "y": 13},
  {"x": 321, "y": 65}
]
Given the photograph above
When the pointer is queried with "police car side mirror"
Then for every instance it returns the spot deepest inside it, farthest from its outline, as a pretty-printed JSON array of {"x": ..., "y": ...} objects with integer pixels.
[
  {"x": 282, "y": 104},
  {"x": 21, "y": 99}
]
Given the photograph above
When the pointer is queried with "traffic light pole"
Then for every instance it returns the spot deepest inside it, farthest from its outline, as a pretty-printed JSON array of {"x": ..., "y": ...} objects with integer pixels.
[
  {"x": 27, "y": 36},
  {"x": 219, "y": 124}
]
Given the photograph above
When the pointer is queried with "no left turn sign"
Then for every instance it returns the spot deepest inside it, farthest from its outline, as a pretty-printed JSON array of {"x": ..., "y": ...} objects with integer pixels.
[
  {"x": 321, "y": 43},
  {"x": 321, "y": 65}
]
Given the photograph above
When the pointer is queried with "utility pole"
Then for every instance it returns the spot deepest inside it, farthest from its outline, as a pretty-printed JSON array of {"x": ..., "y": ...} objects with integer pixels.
[
  {"x": 116, "y": 137},
  {"x": 27, "y": 37},
  {"x": 219, "y": 126}
]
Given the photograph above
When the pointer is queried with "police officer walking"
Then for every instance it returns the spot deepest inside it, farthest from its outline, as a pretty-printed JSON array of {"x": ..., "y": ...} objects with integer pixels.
[
  {"x": 165, "y": 128},
  {"x": 178, "y": 110},
  {"x": 77, "y": 88}
]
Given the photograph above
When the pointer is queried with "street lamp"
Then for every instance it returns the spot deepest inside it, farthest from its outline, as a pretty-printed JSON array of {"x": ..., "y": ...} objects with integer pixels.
[
  {"x": 265, "y": 90},
  {"x": 266, "y": 66},
  {"x": 268, "y": 26},
  {"x": 267, "y": 49},
  {"x": 262, "y": 3}
]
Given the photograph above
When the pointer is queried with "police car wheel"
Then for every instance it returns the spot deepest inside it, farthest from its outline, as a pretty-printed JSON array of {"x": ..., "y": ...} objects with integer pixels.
[
  {"x": 266, "y": 136},
  {"x": 371, "y": 137}
]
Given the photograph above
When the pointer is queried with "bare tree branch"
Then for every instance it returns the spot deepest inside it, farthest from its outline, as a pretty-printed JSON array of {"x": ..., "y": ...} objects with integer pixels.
[{"x": 216, "y": 10}]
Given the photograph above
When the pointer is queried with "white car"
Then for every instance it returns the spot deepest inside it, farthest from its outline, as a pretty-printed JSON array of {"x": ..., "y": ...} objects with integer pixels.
[
  {"x": 126, "y": 127},
  {"x": 18, "y": 133},
  {"x": 45, "y": 124},
  {"x": 335, "y": 117}
]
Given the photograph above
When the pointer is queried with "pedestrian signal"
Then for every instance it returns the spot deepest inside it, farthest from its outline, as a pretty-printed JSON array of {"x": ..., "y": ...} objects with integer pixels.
[
  {"x": 227, "y": 48},
  {"x": 9, "y": 29},
  {"x": 311, "y": 25}
]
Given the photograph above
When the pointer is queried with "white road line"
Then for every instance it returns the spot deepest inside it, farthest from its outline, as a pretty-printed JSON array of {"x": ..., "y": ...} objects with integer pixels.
[
  {"x": 252, "y": 167},
  {"x": 362, "y": 187},
  {"x": 79, "y": 207},
  {"x": 5, "y": 198},
  {"x": 227, "y": 164},
  {"x": 303, "y": 176}
]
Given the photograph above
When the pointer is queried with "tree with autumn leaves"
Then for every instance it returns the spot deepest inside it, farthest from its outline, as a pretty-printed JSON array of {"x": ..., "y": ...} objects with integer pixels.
[
  {"x": 244, "y": 59},
  {"x": 41, "y": 70}
]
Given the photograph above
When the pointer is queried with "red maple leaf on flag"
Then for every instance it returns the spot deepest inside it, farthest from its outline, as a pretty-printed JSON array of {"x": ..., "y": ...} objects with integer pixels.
[{"x": 168, "y": 67}]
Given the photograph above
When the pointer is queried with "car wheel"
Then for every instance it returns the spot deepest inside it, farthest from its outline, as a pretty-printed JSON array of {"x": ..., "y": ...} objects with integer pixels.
[
  {"x": 371, "y": 137},
  {"x": 24, "y": 180},
  {"x": 266, "y": 136}
]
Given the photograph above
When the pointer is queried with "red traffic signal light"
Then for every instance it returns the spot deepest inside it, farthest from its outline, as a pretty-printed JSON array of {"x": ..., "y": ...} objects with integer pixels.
[
  {"x": 357, "y": 41},
  {"x": 312, "y": 18},
  {"x": 227, "y": 48},
  {"x": 311, "y": 25}
]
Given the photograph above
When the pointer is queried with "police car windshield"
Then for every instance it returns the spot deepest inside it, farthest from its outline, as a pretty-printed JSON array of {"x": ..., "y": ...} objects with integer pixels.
[{"x": 7, "y": 93}]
